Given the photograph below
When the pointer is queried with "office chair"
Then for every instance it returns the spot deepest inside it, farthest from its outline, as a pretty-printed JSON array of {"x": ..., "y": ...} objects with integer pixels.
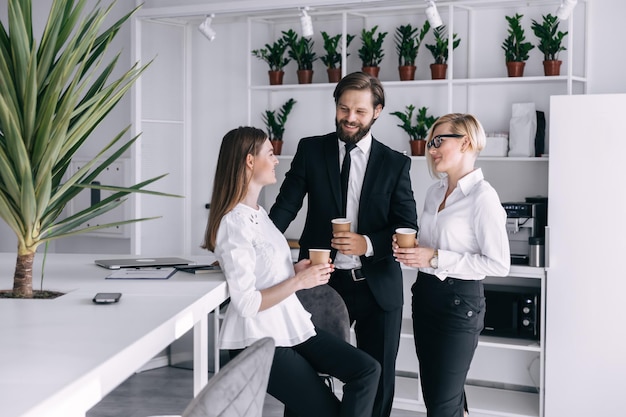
[
  {"x": 239, "y": 388},
  {"x": 329, "y": 313}
]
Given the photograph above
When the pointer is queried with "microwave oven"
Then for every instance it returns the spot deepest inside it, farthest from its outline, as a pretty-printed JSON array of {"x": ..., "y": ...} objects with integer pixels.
[{"x": 512, "y": 311}]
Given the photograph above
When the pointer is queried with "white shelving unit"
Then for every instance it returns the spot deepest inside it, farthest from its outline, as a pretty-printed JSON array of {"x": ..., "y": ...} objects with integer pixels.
[{"x": 473, "y": 74}]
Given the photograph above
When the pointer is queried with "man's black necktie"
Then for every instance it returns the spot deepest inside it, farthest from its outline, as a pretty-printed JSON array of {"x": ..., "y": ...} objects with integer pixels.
[{"x": 345, "y": 174}]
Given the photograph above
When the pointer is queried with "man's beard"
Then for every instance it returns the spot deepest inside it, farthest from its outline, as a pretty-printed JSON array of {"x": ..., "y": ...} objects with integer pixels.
[{"x": 357, "y": 136}]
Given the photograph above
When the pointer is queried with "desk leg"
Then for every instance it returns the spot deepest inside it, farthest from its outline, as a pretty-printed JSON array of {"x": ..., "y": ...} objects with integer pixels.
[
  {"x": 200, "y": 355},
  {"x": 216, "y": 335}
]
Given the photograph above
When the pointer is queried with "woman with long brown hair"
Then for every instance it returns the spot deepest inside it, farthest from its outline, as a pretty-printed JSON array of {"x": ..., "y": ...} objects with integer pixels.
[{"x": 262, "y": 282}]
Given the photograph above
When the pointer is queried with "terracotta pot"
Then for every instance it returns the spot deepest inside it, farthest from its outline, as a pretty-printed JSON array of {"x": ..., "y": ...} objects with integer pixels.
[
  {"x": 515, "y": 69},
  {"x": 276, "y": 77},
  {"x": 438, "y": 71},
  {"x": 373, "y": 71},
  {"x": 407, "y": 72},
  {"x": 552, "y": 67},
  {"x": 277, "y": 145},
  {"x": 334, "y": 74},
  {"x": 418, "y": 147},
  {"x": 305, "y": 76}
]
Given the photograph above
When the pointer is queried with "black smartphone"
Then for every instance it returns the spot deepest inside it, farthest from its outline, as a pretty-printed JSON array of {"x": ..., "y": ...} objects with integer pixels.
[{"x": 107, "y": 297}]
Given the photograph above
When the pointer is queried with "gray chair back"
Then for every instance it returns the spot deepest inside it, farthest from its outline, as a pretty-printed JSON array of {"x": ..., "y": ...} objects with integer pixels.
[
  {"x": 238, "y": 389},
  {"x": 328, "y": 310}
]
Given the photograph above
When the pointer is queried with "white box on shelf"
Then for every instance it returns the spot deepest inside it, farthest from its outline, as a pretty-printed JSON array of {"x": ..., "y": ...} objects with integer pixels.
[{"x": 497, "y": 145}]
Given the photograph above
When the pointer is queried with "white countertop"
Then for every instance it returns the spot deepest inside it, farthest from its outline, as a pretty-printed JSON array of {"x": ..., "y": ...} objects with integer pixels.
[{"x": 60, "y": 357}]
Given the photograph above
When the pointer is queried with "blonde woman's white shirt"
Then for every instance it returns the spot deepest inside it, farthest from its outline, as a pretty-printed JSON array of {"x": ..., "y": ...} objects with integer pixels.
[
  {"x": 254, "y": 255},
  {"x": 469, "y": 233}
]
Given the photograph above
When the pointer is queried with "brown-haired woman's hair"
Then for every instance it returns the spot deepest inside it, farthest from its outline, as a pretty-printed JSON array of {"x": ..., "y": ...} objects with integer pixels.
[
  {"x": 231, "y": 182},
  {"x": 460, "y": 124},
  {"x": 361, "y": 81}
]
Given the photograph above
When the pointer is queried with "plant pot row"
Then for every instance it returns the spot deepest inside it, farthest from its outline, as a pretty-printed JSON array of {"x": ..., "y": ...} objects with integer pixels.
[
  {"x": 407, "y": 72},
  {"x": 550, "y": 68}
]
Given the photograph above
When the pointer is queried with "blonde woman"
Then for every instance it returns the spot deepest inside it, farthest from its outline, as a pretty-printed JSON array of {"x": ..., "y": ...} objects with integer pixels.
[{"x": 462, "y": 239}]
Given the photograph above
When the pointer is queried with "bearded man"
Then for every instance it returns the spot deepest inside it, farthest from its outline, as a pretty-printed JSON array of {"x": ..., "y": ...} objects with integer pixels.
[{"x": 377, "y": 198}]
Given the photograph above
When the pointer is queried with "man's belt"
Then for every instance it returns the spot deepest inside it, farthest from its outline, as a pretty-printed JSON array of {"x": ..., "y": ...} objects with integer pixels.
[{"x": 355, "y": 274}]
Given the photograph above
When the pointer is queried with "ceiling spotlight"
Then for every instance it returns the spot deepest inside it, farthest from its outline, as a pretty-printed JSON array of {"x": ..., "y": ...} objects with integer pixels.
[
  {"x": 206, "y": 29},
  {"x": 306, "y": 23},
  {"x": 565, "y": 9},
  {"x": 433, "y": 15}
]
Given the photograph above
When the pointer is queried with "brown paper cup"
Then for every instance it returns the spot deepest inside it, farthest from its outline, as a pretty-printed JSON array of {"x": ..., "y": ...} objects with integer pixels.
[
  {"x": 406, "y": 237},
  {"x": 341, "y": 225},
  {"x": 319, "y": 256}
]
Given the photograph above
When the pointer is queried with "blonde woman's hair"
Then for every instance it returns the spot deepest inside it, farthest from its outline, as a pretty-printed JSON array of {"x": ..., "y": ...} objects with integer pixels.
[{"x": 460, "y": 124}]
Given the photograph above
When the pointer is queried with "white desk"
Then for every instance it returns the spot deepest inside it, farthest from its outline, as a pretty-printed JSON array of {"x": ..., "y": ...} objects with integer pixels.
[{"x": 61, "y": 357}]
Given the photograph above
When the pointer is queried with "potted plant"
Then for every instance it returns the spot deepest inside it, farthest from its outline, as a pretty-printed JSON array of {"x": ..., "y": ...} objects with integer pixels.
[
  {"x": 550, "y": 43},
  {"x": 301, "y": 51},
  {"x": 275, "y": 124},
  {"x": 408, "y": 41},
  {"x": 55, "y": 93},
  {"x": 417, "y": 132},
  {"x": 332, "y": 59},
  {"x": 439, "y": 50},
  {"x": 371, "y": 51},
  {"x": 274, "y": 56},
  {"x": 515, "y": 48}
]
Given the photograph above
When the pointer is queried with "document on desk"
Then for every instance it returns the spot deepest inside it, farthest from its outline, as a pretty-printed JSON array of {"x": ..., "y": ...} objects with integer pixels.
[{"x": 142, "y": 273}]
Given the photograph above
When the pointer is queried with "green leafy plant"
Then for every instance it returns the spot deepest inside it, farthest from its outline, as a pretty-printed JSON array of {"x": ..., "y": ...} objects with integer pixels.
[
  {"x": 54, "y": 93},
  {"x": 515, "y": 49},
  {"x": 300, "y": 49},
  {"x": 408, "y": 41},
  {"x": 332, "y": 59},
  {"x": 550, "y": 38},
  {"x": 273, "y": 54},
  {"x": 439, "y": 49},
  {"x": 275, "y": 122},
  {"x": 371, "y": 51},
  {"x": 423, "y": 122}
]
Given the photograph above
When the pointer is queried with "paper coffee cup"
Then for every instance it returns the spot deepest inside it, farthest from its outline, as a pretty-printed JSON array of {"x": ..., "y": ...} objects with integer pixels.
[
  {"x": 405, "y": 237},
  {"x": 319, "y": 256},
  {"x": 341, "y": 225}
]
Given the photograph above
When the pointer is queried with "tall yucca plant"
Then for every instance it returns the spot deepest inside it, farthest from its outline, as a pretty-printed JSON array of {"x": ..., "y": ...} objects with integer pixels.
[{"x": 52, "y": 96}]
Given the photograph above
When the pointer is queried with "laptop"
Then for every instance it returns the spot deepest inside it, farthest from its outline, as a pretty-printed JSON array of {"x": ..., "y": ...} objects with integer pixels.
[{"x": 141, "y": 262}]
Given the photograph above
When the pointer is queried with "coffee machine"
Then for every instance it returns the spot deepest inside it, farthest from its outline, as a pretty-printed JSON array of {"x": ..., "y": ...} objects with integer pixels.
[{"x": 525, "y": 221}]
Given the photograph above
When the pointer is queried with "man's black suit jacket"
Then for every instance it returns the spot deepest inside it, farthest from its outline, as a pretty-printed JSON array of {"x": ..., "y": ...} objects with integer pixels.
[{"x": 386, "y": 203}]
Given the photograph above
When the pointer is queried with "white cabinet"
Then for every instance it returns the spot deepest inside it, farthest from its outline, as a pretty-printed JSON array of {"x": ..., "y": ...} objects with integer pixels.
[{"x": 585, "y": 337}]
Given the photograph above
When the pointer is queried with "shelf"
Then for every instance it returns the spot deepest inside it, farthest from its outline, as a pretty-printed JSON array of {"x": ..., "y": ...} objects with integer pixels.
[
  {"x": 481, "y": 159},
  {"x": 481, "y": 400},
  {"x": 509, "y": 343},
  {"x": 416, "y": 83},
  {"x": 406, "y": 332},
  {"x": 499, "y": 158},
  {"x": 522, "y": 271},
  {"x": 299, "y": 87},
  {"x": 518, "y": 271}
]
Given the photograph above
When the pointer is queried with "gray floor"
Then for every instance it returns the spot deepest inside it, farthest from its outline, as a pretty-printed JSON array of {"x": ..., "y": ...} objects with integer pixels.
[{"x": 166, "y": 391}]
